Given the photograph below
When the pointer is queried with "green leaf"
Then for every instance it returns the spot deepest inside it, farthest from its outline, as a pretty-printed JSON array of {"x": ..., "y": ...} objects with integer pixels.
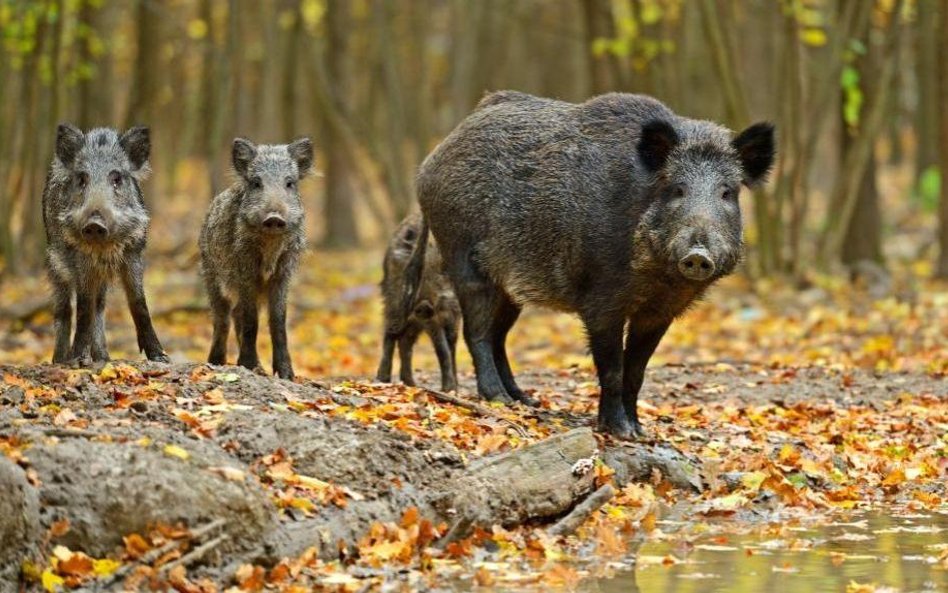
[{"x": 929, "y": 188}]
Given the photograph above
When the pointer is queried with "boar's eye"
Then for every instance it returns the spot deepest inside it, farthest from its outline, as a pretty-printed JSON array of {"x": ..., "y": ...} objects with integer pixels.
[
  {"x": 115, "y": 178},
  {"x": 678, "y": 191},
  {"x": 82, "y": 179},
  {"x": 256, "y": 183},
  {"x": 290, "y": 184}
]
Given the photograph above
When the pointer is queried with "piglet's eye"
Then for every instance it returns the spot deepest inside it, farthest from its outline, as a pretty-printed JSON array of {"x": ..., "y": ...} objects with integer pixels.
[
  {"x": 115, "y": 178},
  {"x": 82, "y": 179},
  {"x": 679, "y": 191},
  {"x": 256, "y": 183},
  {"x": 290, "y": 184},
  {"x": 727, "y": 194}
]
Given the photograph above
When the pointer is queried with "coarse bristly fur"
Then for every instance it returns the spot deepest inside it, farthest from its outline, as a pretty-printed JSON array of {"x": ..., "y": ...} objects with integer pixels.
[
  {"x": 96, "y": 229},
  {"x": 251, "y": 244},
  {"x": 616, "y": 209},
  {"x": 434, "y": 310}
]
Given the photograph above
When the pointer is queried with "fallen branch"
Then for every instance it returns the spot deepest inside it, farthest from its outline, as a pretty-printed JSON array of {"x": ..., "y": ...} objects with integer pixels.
[
  {"x": 153, "y": 555},
  {"x": 475, "y": 407},
  {"x": 195, "y": 554},
  {"x": 636, "y": 462},
  {"x": 534, "y": 482},
  {"x": 571, "y": 522}
]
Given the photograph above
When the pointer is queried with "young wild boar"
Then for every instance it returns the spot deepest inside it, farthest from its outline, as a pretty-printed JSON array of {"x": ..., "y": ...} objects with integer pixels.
[
  {"x": 251, "y": 243},
  {"x": 96, "y": 227},
  {"x": 433, "y": 310},
  {"x": 616, "y": 209}
]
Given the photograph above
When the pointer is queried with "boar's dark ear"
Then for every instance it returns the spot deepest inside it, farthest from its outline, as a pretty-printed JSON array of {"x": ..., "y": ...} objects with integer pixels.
[
  {"x": 69, "y": 141},
  {"x": 658, "y": 140},
  {"x": 756, "y": 148},
  {"x": 137, "y": 145},
  {"x": 243, "y": 154},
  {"x": 301, "y": 151}
]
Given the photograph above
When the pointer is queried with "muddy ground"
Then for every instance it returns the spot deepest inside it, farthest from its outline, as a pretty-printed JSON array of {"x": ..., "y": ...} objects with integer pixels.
[{"x": 117, "y": 450}]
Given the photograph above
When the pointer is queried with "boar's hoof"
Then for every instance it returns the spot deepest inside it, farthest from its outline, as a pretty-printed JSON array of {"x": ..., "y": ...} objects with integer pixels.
[
  {"x": 80, "y": 362},
  {"x": 160, "y": 357},
  {"x": 524, "y": 398},
  {"x": 501, "y": 397},
  {"x": 616, "y": 425}
]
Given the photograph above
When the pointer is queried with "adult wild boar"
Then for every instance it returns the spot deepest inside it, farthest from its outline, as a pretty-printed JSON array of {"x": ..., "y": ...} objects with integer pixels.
[
  {"x": 616, "y": 209},
  {"x": 96, "y": 228}
]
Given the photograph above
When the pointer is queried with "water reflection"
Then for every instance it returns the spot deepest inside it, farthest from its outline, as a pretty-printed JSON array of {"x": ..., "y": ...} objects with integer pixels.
[{"x": 900, "y": 552}]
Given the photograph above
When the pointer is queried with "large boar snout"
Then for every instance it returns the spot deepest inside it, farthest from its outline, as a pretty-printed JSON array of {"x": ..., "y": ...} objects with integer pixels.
[
  {"x": 697, "y": 264},
  {"x": 95, "y": 228},
  {"x": 274, "y": 223}
]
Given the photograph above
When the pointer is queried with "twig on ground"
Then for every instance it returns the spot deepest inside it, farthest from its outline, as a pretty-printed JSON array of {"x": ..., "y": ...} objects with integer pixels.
[
  {"x": 152, "y": 555},
  {"x": 475, "y": 407},
  {"x": 195, "y": 554},
  {"x": 571, "y": 522}
]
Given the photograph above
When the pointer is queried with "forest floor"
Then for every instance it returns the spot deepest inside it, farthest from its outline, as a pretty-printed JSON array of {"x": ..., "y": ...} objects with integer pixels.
[{"x": 767, "y": 407}]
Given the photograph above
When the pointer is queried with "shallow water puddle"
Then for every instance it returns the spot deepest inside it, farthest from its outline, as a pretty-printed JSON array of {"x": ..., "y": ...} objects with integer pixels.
[{"x": 861, "y": 553}]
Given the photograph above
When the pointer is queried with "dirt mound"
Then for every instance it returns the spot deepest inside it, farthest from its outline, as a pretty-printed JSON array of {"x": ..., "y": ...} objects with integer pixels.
[
  {"x": 109, "y": 490},
  {"x": 19, "y": 522}
]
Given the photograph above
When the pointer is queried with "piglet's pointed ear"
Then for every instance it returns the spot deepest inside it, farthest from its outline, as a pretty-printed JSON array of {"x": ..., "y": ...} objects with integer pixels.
[
  {"x": 658, "y": 140},
  {"x": 137, "y": 145},
  {"x": 244, "y": 152},
  {"x": 756, "y": 148},
  {"x": 301, "y": 151},
  {"x": 69, "y": 141}
]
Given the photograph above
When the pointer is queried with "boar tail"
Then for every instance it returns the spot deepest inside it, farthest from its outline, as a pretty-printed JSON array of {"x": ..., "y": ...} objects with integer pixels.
[{"x": 413, "y": 272}]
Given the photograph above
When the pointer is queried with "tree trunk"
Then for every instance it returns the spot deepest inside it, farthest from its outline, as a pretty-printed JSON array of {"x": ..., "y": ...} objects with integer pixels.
[
  {"x": 927, "y": 65},
  {"x": 856, "y": 161},
  {"x": 340, "y": 192},
  {"x": 144, "y": 90},
  {"x": 942, "y": 268},
  {"x": 862, "y": 240},
  {"x": 597, "y": 18}
]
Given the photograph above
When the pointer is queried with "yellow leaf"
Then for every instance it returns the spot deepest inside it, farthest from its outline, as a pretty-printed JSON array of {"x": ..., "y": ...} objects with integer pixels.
[
  {"x": 312, "y": 483},
  {"x": 753, "y": 480},
  {"x": 105, "y": 567},
  {"x": 176, "y": 451},
  {"x": 197, "y": 29},
  {"x": 108, "y": 372},
  {"x": 813, "y": 37},
  {"x": 895, "y": 478},
  {"x": 51, "y": 581}
]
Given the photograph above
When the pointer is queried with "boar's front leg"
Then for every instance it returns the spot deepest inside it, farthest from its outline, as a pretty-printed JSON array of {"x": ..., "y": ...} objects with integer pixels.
[
  {"x": 605, "y": 341},
  {"x": 639, "y": 347},
  {"x": 62, "y": 319},
  {"x": 100, "y": 352},
  {"x": 282, "y": 364},
  {"x": 246, "y": 320},
  {"x": 85, "y": 322},
  {"x": 220, "y": 312},
  {"x": 133, "y": 283}
]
